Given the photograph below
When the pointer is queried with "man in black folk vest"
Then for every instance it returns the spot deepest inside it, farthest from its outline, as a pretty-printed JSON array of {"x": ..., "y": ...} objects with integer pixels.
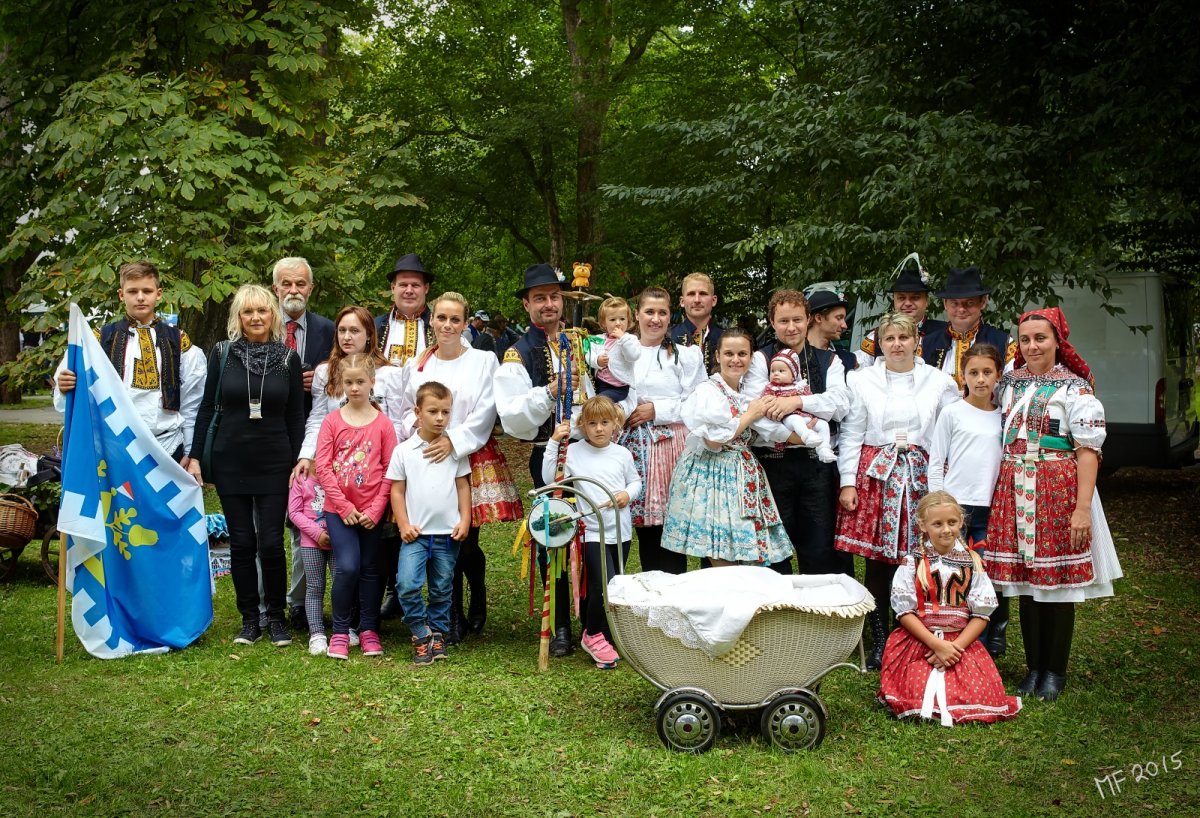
[
  {"x": 910, "y": 295},
  {"x": 404, "y": 330},
  {"x": 698, "y": 299},
  {"x": 827, "y": 323},
  {"x": 161, "y": 369},
  {"x": 805, "y": 489},
  {"x": 965, "y": 298},
  {"x": 527, "y": 392}
]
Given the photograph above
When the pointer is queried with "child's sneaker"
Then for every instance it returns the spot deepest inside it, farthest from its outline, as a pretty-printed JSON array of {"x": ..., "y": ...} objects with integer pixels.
[
  {"x": 599, "y": 649},
  {"x": 371, "y": 646},
  {"x": 317, "y": 644},
  {"x": 339, "y": 647},
  {"x": 422, "y": 650},
  {"x": 354, "y": 638},
  {"x": 438, "y": 646}
]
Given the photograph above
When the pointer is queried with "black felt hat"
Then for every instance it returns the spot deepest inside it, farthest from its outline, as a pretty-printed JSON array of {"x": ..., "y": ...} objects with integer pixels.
[
  {"x": 964, "y": 283},
  {"x": 910, "y": 280},
  {"x": 410, "y": 263},
  {"x": 821, "y": 300},
  {"x": 538, "y": 274}
]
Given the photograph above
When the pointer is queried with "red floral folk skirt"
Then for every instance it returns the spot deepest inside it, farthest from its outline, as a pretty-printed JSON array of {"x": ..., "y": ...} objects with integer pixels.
[
  {"x": 494, "y": 497},
  {"x": 1056, "y": 562},
  {"x": 969, "y": 691},
  {"x": 884, "y": 525}
]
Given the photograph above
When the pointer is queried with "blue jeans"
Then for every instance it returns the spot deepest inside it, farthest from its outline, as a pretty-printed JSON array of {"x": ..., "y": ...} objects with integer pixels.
[
  {"x": 429, "y": 559},
  {"x": 976, "y": 523},
  {"x": 355, "y": 557}
]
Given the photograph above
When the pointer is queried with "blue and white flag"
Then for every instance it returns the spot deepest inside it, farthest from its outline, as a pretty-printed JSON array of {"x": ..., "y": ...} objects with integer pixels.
[{"x": 137, "y": 545}]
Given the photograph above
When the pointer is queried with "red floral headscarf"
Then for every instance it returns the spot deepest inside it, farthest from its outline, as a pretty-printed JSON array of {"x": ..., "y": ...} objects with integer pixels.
[{"x": 1067, "y": 355}]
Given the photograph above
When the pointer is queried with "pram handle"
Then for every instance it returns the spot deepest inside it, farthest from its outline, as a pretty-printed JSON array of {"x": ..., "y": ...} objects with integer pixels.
[{"x": 568, "y": 484}]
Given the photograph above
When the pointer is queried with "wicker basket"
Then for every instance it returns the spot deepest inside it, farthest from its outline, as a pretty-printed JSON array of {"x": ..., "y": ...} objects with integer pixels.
[{"x": 18, "y": 521}]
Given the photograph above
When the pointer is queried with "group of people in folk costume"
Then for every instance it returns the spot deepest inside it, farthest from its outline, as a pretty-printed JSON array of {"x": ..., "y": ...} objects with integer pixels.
[{"x": 956, "y": 461}]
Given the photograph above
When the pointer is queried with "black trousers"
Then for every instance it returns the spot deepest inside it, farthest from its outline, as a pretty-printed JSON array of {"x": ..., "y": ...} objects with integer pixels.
[
  {"x": 653, "y": 556},
  {"x": 266, "y": 542},
  {"x": 595, "y": 620},
  {"x": 562, "y": 585},
  {"x": 805, "y": 491}
]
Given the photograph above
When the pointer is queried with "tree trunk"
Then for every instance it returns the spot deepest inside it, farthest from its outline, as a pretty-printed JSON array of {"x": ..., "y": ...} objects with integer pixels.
[{"x": 588, "y": 25}]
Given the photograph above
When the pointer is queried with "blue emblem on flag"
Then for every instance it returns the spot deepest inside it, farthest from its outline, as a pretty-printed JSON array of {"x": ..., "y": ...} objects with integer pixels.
[{"x": 137, "y": 545}]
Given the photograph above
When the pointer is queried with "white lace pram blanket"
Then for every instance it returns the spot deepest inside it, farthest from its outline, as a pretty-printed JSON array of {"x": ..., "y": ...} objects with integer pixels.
[{"x": 709, "y": 609}]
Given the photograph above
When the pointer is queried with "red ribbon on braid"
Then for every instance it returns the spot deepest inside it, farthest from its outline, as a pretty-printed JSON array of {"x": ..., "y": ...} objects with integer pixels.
[{"x": 1066, "y": 352}]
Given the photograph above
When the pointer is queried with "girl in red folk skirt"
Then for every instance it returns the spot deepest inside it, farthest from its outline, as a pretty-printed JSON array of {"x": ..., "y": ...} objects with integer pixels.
[{"x": 934, "y": 665}]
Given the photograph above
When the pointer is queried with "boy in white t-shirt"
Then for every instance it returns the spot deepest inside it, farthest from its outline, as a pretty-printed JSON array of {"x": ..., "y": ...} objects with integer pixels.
[{"x": 431, "y": 500}]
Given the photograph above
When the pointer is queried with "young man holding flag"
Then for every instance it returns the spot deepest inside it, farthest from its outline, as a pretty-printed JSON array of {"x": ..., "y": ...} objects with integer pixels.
[
  {"x": 161, "y": 370},
  {"x": 137, "y": 555}
]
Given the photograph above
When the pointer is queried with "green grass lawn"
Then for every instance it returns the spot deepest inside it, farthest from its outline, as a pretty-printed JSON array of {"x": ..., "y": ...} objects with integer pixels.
[{"x": 261, "y": 731}]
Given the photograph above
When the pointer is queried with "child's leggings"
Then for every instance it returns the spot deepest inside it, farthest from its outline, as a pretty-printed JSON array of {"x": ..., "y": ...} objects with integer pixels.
[
  {"x": 592, "y": 608},
  {"x": 355, "y": 574},
  {"x": 316, "y": 560}
]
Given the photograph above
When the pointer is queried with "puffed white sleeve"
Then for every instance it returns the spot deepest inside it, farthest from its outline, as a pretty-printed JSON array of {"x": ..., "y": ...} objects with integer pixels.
[
  {"x": 391, "y": 392},
  {"x": 633, "y": 480},
  {"x": 706, "y": 413},
  {"x": 939, "y": 449},
  {"x": 904, "y": 588},
  {"x": 756, "y": 379},
  {"x": 622, "y": 356},
  {"x": 522, "y": 407},
  {"x": 321, "y": 406},
  {"x": 469, "y": 436},
  {"x": 834, "y": 402},
  {"x": 851, "y": 435},
  {"x": 193, "y": 370},
  {"x": 1085, "y": 416},
  {"x": 690, "y": 363},
  {"x": 950, "y": 393},
  {"x": 981, "y": 599}
]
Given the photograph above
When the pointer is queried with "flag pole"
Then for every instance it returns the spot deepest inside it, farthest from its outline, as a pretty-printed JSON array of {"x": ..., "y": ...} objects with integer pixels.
[{"x": 62, "y": 597}]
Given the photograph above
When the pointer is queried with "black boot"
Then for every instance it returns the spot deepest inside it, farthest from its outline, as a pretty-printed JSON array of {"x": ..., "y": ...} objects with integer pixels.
[
  {"x": 1031, "y": 634},
  {"x": 471, "y": 565},
  {"x": 995, "y": 638},
  {"x": 1058, "y": 633},
  {"x": 561, "y": 645},
  {"x": 390, "y": 609},
  {"x": 457, "y": 630},
  {"x": 879, "y": 637}
]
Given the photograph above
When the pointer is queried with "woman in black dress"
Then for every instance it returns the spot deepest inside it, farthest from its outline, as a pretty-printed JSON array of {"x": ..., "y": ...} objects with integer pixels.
[{"x": 256, "y": 445}]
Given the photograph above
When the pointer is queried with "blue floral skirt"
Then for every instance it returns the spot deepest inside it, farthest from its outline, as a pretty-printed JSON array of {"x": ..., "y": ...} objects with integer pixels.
[{"x": 721, "y": 507}]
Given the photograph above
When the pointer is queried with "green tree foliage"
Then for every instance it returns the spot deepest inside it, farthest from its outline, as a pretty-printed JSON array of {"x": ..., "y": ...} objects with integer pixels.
[
  {"x": 212, "y": 143},
  {"x": 1040, "y": 141},
  {"x": 513, "y": 106}
]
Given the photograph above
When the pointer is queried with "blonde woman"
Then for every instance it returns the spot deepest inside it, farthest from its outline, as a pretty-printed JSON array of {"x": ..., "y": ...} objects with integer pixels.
[
  {"x": 256, "y": 445},
  {"x": 883, "y": 459}
]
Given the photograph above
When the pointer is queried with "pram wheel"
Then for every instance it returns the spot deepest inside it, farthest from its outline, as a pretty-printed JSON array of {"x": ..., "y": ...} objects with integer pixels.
[
  {"x": 688, "y": 723},
  {"x": 794, "y": 721},
  {"x": 50, "y": 544}
]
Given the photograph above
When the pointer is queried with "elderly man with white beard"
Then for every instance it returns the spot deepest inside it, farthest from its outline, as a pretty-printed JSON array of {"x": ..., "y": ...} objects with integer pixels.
[{"x": 311, "y": 337}]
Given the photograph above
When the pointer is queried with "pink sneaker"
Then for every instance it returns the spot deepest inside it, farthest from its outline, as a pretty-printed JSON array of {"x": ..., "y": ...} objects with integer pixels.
[
  {"x": 371, "y": 646},
  {"x": 599, "y": 649},
  {"x": 339, "y": 646}
]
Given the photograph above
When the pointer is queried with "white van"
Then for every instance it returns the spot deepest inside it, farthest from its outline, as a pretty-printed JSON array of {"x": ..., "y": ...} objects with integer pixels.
[{"x": 1144, "y": 379}]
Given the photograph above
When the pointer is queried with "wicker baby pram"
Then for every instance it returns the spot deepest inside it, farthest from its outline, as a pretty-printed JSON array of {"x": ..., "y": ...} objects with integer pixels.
[{"x": 775, "y": 666}]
